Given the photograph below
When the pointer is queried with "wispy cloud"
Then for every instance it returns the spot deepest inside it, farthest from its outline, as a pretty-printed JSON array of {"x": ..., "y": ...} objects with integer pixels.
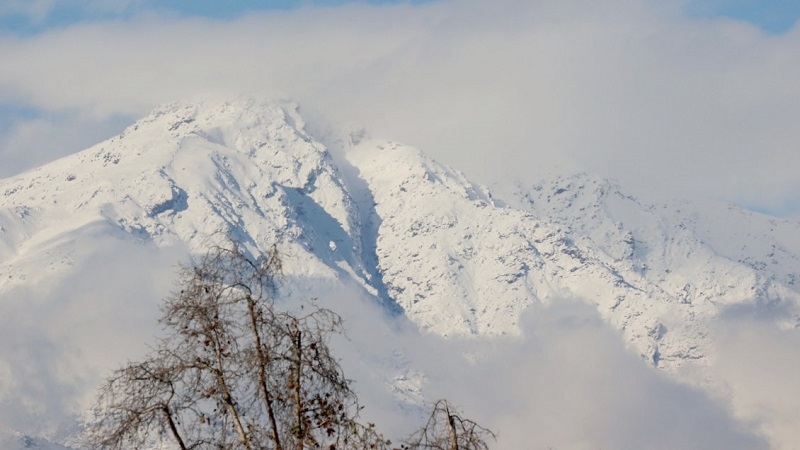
[
  {"x": 627, "y": 89},
  {"x": 774, "y": 16},
  {"x": 22, "y": 15},
  {"x": 32, "y": 140},
  {"x": 34, "y": 10},
  {"x": 759, "y": 368},
  {"x": 60, "y": 336},
  {"x": 568, "y": 382}
]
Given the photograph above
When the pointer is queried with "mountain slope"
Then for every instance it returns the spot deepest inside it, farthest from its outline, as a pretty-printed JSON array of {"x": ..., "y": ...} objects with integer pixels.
[
  {"x": 693, "y": 262},
  {"x": 455, "y": 260},
  {"x": 416, "y": 237},
  {"x": 184, "y": 174}
]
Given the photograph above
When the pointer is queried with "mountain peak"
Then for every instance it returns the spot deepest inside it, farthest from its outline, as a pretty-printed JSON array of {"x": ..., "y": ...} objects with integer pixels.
[
  {"x": 185, "y": 172},
  {"x": 414, "y": 234},
  {"x": 242, "y": 117}
]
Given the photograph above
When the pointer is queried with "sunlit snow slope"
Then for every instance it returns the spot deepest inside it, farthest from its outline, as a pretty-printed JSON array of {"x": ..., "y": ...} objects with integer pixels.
[
  {"x": 415, "y": 233},
  {"x": 418, "y": 236}
]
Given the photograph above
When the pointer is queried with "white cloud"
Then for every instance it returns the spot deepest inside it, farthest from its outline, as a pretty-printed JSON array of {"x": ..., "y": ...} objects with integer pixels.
[
  {"x": 33, "y": 142},
  {"x": 758, "y": 365},
  {"x": 59, "y": 337},
  {"x": 626, "y": 89},
  {"x": 570, "y": 383}
]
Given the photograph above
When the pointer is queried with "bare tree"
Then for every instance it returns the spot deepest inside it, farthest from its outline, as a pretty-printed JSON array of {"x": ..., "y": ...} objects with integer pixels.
[
  {"x": 446, "y": 429},
  {"x": 233, "y": 371}
]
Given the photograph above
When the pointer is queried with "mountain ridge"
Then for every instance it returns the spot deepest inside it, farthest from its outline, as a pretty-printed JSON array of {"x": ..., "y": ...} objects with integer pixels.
[
  {"x": 417, "y": 236},
  {"x": 251, "y": 171}
]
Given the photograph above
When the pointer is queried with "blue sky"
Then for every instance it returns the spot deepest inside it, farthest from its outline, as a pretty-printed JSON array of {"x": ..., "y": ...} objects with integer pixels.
[
  {"x": 67, "y": 12},
  {"x": 772, "y": 16}
]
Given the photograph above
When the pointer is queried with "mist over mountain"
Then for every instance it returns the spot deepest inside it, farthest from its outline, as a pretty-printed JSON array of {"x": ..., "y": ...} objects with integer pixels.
[{"x": 568, "y": 307}]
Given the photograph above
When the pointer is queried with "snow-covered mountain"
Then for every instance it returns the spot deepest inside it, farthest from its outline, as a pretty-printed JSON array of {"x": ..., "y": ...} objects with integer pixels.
[
  {"x": 418, "y": 237},
  {"x": 679, "y": 265}
]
